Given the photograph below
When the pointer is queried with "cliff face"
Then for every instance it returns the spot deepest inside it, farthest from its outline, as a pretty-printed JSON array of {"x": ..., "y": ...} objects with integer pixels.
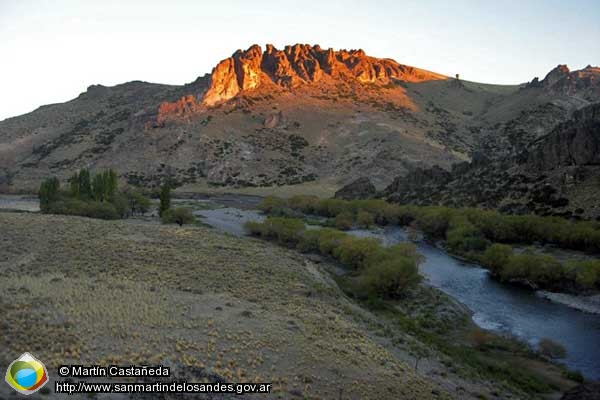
[
  {"x": 557, "y": 175},
  {"x": 561, "y": 80},
  {"x": 575, "y": 142},
  {"x": 302, "y": 64}
]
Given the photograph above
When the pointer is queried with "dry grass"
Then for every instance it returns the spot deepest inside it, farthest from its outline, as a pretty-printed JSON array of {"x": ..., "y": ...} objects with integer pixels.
[{"x": 75, "y": 289}]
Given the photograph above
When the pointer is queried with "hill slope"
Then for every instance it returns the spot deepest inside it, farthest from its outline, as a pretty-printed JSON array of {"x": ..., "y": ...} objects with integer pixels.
[{"x": 285, "y": 117}]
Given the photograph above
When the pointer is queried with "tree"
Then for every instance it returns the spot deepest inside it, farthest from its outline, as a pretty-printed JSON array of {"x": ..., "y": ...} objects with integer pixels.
[
  {"x": 178, "y": 215},
  {"x": 138, "y": 203},
  {"x": 165, "y": 199},
  {"x": 85, "y": 185},
  {"x": 98, "y": 187},
  {"x": 48, "y": 193},
  {"x": 74, "y": 185}
]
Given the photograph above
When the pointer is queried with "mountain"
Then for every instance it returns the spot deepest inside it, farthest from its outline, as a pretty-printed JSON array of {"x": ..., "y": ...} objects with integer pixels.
[
  {"x": 557, "y": 174},
  {"x": 273, "y": 117}
]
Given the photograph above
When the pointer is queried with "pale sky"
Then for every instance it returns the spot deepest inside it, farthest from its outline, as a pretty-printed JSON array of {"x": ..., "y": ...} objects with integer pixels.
[{"x": 51, "y": 51}]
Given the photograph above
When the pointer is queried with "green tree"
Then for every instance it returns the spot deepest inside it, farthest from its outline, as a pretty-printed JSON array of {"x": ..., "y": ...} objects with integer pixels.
[
  {"x": 74, "y": 185},
  {"x": 98, "y": 187},
  {"x": 138, "y": 203},
  {"x": 165, "y": 199},
  {"x": 48, "y": 193},
  {"x": 85, "y": 185}
]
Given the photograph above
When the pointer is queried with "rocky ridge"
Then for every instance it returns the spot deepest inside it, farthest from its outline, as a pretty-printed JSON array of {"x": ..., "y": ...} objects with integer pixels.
[{"x": 557, "y": 175}]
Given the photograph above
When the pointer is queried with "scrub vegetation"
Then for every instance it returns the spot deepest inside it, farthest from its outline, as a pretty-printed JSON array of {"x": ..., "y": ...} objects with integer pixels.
[{"x": 478, "y": 235}]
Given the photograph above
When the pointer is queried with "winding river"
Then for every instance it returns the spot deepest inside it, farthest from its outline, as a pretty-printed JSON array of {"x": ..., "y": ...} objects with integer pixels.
[{"x": 495, "y": 306}]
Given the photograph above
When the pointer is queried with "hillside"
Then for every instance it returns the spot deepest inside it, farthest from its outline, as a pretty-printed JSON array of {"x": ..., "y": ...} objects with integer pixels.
[
  {"x": 556, "y": 174},
  {"x": 219, "y": 308},
  {"x": 275, "y": 117}
]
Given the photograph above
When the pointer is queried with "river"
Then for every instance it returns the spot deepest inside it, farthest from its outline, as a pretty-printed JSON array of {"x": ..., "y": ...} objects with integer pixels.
[{"x": 498, "y": 307}]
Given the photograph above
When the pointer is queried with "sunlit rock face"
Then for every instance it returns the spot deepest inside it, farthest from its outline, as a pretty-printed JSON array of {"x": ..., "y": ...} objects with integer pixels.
[{"x": 303, "y": 64}]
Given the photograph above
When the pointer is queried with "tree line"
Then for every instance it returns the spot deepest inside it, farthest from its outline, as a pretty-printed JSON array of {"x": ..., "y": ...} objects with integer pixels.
[
  {"x": 476, "y": 234},
  {"x": 377, "y": 271}
]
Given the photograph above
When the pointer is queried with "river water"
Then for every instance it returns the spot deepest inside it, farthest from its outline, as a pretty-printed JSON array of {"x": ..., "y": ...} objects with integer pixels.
[{"x": 498, "y": 307}]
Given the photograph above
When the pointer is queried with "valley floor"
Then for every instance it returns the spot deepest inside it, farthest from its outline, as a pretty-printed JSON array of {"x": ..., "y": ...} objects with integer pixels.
[{"x": 211, "y": 306}]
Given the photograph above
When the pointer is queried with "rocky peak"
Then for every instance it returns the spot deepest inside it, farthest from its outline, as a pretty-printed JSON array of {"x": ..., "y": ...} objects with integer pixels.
[
  {"x": 561, "y": 80},
  {"x": 302, "y": 64},
  {"x": 560, "y": 72}
]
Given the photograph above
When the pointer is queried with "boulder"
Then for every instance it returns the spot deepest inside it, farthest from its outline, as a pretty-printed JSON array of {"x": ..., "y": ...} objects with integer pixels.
[{"x": 360, "y": 189}]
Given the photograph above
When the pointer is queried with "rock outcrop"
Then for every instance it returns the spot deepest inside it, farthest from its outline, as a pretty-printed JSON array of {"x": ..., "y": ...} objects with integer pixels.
[
  {"x": 556, "y": 175},
  {"x": 575, "y": 142},
  {"x": 561, "y": 80},
  {"x": 300, "y": 64},
  {"x": 360, "y": 189}
]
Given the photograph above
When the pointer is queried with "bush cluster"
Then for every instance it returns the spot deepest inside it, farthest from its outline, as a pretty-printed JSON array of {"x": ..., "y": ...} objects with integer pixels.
[
  {"x": 472, "y": 233},
  {"x": 380, "y": 271},
  {"x": 541, "y": 270}
]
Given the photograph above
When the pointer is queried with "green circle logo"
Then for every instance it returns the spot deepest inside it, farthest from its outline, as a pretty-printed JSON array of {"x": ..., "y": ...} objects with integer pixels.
[{"x": 26, "y": 374}]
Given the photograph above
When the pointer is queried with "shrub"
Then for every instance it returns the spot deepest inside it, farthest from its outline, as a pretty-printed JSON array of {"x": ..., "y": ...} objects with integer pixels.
[
  {"x": 304, "y": 203},
  {"x": 309, "y": 241},
  {"x": 344, "y": 221},
  {"x": 332, "y": 207},
  {"x": 462, "y": 236},
  {"x": 585, "y": 274},
  {"x": 178, "y": 215},
  {"x": 496, "y": 257},
  {"x": 329, "y": 239},
  {"x": 542, "y": 270},
  {"x": 365, "y": 219},
  {"x": 390, "y": 277},
  {"x": 121, "y": 204},
  {"x": 551, "y": 349},
  {"x": 269, "y": 203},
  {"x": 434, "y": 220},
  {"x": 284, "y": 230},
  {"x": 354, "y": 252},
  {"x": 91, "y": 209},
  {"x": 101, "y": 210},
  {"x": 254, "y": 228}
]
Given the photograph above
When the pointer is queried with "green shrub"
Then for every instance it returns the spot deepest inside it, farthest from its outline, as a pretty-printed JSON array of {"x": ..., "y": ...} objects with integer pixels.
[
  {"x": 332, "y": 207},
  {"x": 329, "y": 239},
  {"x": 344, "y": 221},
  {"x": 496, "y": 257},
  {"x": 271, "y": 202},
  {"x": 91, "y": 209},
  {"x": 390, "y": 277},
  {"x": 540, "y": 269},
  {"x": 255, "y": 228},
  {"x": 178, "y": 215},
  {"x": 309, "y": 241},
  {"x": 101, "y": 210},
  {"x": 585, "y": 274},
  {"x": 365, "y": 219},
  {"x": 463, "y": 237},
  {"x": 284, "y": 230},
  {"x": 304, "y": 203},
  {"x": 354, "y": 252},
  {"x": 121, "y": 204}
]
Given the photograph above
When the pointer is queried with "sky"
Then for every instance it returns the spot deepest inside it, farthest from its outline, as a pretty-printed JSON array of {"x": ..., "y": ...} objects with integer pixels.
[{"x": 51, "y": 51}]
